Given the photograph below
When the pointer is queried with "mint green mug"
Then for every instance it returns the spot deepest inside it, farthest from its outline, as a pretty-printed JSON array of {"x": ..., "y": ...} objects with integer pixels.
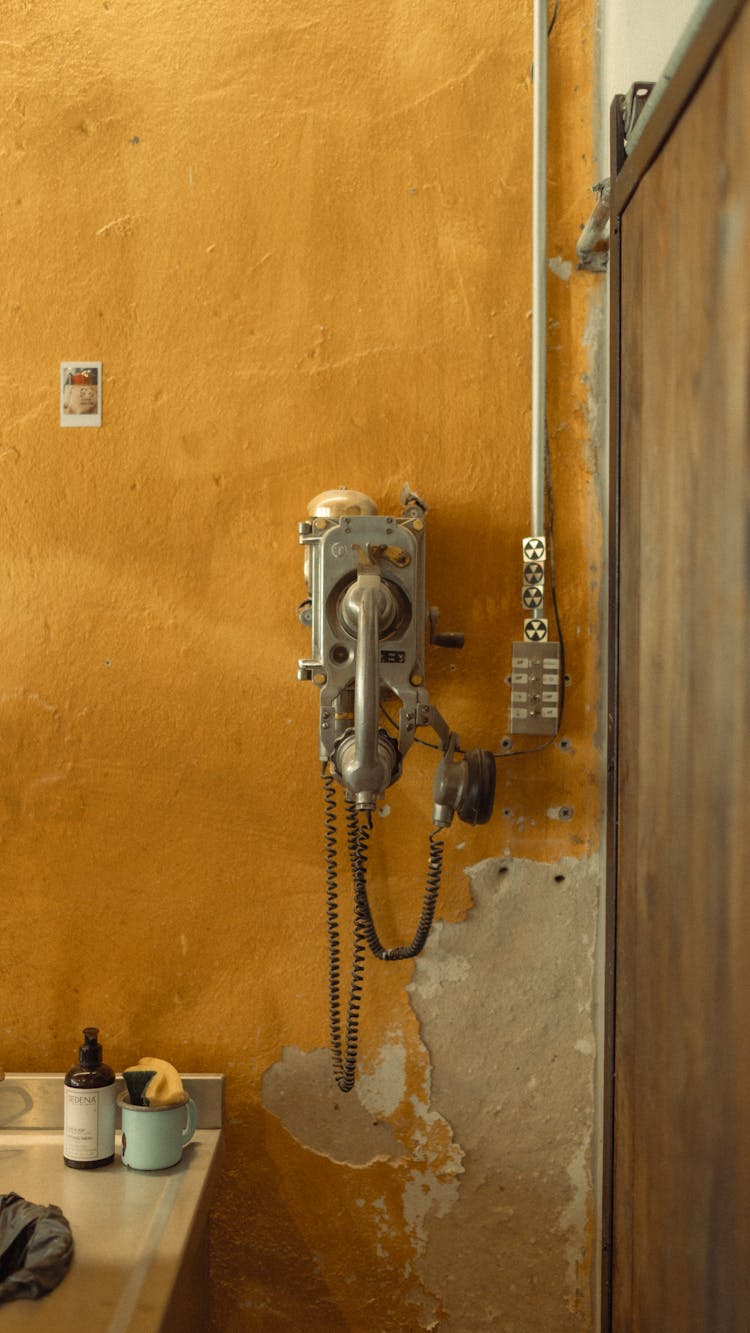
[{"x": 154, "y": 1136}]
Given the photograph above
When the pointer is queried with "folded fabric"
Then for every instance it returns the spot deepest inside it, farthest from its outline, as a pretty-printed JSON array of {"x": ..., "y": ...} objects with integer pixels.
[{"x": 36, "y": 1248}]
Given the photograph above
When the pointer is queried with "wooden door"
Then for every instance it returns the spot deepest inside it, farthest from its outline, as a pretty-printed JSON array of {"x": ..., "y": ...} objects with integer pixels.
[{"x": 679, "y": 1020}]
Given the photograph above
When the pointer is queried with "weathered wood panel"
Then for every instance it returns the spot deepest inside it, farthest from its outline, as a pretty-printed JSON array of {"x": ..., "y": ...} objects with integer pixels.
[{"x": 681, "y": 1233}]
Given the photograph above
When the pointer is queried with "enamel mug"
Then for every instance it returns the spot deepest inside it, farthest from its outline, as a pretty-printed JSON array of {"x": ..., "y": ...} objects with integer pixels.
[{"x": 154, "y": 1136}]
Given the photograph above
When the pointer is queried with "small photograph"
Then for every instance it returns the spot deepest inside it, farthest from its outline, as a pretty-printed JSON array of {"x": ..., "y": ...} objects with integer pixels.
[{"x": 81, "y": 393}]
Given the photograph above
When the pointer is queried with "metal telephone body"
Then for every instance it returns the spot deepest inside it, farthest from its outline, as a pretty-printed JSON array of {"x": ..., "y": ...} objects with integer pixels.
[
  {"x": 367, "y": 611},
  {"x": 365, "y": 575},
  {"x": 360, "y": 654}
]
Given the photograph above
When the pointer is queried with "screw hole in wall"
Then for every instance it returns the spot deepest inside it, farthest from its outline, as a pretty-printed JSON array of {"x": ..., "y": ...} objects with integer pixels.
[
  {"x": 559, "y": 879},
  {"x": 565, "y": 744}
]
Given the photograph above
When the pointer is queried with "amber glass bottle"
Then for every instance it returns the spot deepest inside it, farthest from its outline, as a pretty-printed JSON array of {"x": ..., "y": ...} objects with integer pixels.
[{"x": 89, "y": 1119}]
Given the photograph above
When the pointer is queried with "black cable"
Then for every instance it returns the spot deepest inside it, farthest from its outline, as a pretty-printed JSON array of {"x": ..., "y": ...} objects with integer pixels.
[
  {"x": 362, "y": 905},
  {"x": 429, "y": 745},
  {"x": 550, "y": 26},
  {"x": 531, "y": 749},
  {"x": 344, "y": 1062},
  {"x": 357, "y": 835}
]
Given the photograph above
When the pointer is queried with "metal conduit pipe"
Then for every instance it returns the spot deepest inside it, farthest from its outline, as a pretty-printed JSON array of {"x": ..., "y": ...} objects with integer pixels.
[{"x": 539, "y": 274}]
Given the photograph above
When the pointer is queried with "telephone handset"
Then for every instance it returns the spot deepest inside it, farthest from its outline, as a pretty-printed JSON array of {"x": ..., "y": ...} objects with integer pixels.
[{"x": 365, "y": 575}]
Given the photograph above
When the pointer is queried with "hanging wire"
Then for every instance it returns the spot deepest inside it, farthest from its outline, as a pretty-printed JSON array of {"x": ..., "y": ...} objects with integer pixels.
[
  {"x": 345, "y": 1039},
  {"x": 550, "y": 526},
  {"x": 344, "y": 1059},
  {"x": 358, "y": 850}
]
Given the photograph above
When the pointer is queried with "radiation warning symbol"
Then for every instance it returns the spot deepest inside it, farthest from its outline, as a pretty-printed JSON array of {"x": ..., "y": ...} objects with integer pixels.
[
  {"x": 532, "y": 598},
  {"x": 533, "y": 572},
  {"x": 534, "y": 548},
  {"x": 535, "y": 630}
]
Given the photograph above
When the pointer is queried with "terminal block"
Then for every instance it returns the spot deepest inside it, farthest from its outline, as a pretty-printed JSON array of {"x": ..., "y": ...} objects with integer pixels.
[{"x": 535, "y": 689}]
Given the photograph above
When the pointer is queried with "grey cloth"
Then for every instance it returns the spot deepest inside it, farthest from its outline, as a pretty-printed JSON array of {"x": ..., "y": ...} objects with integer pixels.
[{"x": 36, "y": 1248}]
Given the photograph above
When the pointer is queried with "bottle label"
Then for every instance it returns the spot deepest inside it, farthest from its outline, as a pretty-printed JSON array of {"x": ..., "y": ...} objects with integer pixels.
[{"x": 89, "y": 1124}]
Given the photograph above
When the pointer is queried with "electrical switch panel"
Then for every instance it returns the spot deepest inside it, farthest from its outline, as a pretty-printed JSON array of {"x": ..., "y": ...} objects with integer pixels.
[{"x": 535, "y": 688}]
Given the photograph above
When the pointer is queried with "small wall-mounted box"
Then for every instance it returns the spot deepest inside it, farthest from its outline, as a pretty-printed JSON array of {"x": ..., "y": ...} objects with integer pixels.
[{"x": 80, "y": 393}]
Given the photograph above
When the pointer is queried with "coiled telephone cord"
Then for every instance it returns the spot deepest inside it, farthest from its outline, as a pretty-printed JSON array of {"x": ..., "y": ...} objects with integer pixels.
[
  {"x": 359, "y": 839},
  {"x": 365, "y": 933},
  {"x": 344, "y": 1061}
]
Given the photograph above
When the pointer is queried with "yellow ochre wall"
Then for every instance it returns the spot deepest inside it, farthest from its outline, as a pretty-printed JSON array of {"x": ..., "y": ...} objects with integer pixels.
[{"x": 297, "y": 235}]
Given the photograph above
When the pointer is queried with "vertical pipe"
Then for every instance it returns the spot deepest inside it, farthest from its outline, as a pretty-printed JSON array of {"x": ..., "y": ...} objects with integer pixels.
[{"x": 539, "y": 272}]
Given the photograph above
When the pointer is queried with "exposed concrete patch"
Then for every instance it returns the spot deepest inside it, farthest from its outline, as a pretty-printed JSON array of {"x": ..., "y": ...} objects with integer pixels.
[
  {"x": 561, "y": 267},
  {"x": 431, "y": 1192},
  {"x": 300, "y": 1091},
  {"x": 449, "y": 968},
  {"x": 383, "y": 1091},
  {"x": 573, "y": 1218},
  {"x": 504, "y": 1004}
]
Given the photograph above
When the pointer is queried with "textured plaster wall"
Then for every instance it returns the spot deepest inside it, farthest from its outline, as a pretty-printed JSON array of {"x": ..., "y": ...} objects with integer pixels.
[{"x": 297, "y": 236}]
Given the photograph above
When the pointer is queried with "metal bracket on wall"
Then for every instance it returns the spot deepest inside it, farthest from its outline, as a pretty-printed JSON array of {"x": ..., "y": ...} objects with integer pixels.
[
  {"x": 633, "y": 103},
  {"x": 593, "y": 244}
]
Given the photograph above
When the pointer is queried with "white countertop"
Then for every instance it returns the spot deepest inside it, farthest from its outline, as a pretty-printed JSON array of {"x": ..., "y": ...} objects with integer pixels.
[{"x": 132, "y": 1231}]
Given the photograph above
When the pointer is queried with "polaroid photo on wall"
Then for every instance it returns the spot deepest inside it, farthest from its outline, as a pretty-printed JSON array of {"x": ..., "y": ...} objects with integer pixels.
[{"x": 80, "y": 393}]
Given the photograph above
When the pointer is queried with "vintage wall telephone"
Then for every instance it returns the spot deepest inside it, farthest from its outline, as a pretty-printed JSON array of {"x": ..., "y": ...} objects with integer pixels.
[{"x": 365, "y": 575}]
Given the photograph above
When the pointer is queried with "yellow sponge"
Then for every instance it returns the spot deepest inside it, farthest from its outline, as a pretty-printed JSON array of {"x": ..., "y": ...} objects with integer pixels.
[{"x": 165, "y": 1088}]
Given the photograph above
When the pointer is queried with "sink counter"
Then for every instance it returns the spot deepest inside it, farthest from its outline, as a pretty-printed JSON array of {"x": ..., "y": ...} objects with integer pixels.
[{"x": 140, "y": 1237}]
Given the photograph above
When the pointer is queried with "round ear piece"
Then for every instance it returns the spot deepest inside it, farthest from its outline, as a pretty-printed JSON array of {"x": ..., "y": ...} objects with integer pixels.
[
  {"x": 478, "y": 791},
  {"x": 465, "y": 787}
]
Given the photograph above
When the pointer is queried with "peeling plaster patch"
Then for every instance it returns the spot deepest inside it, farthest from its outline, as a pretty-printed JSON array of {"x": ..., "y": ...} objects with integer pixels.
[
  {"x": 383, "y": 1091},
  {"x": 573, "y": 1217},
  {"x": 561, "y": 267},
  {"x": 440, "y": 968},
  {"x": 300, "y": 1091},
  {"x": 431, "y": 1186},
  {"x": 379, "y": 1215},
  {"x": 513, "y": 1075},
  {"x": 423, "y": 1193}
]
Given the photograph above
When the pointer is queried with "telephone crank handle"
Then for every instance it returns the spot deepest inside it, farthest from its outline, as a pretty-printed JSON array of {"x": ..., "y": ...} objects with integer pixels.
[{"x": 449, "y": 640}]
